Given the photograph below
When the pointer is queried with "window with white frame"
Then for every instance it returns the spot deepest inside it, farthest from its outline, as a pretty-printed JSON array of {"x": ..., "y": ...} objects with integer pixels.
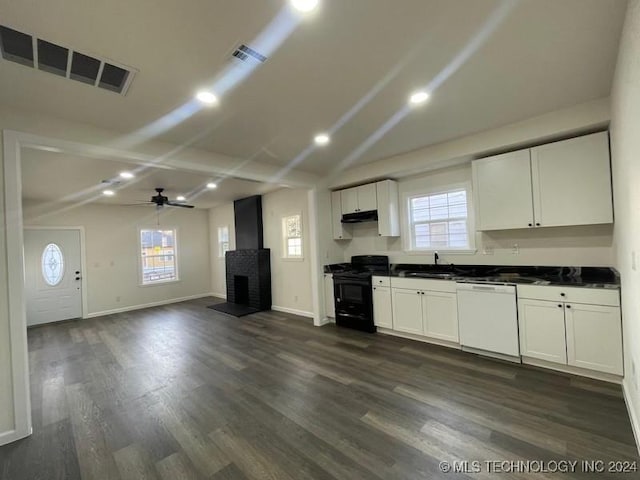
[
  {"x": 439, "y": 220},
  {"x": 223, "y": 240},
  {"x": 292, "y": 236},
  {"x": 158, "y": 256}
]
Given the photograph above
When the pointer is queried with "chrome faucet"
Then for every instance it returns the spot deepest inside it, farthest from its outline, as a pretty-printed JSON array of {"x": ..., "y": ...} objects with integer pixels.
[{"x": 435, "y": 258}]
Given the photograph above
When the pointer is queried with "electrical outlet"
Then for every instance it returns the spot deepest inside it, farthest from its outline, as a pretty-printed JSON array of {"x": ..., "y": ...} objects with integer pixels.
[
  {"x": 117, "y": 299},
  {"x": 295, "y": 299},
  {"x": 515, "y": 250},
  {"x": 488, "y": 250}
]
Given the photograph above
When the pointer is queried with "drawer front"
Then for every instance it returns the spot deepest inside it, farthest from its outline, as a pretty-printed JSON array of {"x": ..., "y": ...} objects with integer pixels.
[
  {"x": 424, "y": 284},
  {"x": 592, "y": 296},
  {"x": 381, "y": 281}
]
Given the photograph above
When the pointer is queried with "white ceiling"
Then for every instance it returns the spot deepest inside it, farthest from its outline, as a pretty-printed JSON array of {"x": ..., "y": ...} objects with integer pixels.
[
  {"x": 59, "y": 178},
  {"x": 544, "y": 55}
]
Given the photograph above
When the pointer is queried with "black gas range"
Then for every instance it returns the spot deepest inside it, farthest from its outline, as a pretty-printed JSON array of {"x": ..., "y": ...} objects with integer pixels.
[{"x": 352, "y": 291}]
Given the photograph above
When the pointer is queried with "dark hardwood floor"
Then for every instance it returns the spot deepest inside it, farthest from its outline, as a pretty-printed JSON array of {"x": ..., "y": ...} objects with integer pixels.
[{"x": 184, "y": 392}]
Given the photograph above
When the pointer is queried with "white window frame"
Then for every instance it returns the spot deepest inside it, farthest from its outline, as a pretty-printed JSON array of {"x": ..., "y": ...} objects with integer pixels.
[
  {"x": 406, "y": 219},
  {"x": 221, "y": 249},
  {"x": 176, "y": 254},
  {"x": 285, "y": 239}
]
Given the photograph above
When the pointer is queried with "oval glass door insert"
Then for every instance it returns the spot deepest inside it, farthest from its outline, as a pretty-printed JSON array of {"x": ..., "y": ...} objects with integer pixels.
[{"x": 52, "y": 264}]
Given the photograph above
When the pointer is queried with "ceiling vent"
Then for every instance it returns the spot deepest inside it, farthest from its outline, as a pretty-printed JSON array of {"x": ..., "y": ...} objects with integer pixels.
[
  {"x": 34, "y": 52},
  {"x": 248, "y": 54}
]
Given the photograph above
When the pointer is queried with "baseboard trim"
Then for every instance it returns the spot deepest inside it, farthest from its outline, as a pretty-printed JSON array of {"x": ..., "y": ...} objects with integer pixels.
[
  {"x": 326, "y": 321},
  {"x": 12, "y": 435},
  {"x": 582, "y": 372},
  {"x": 293, "y": 311},
  {"x": 419, "y": 338},
  {"x": 635, "y": 421},
  {"x": 219, "y": 295},
  {"x": 147, "y": 305}
]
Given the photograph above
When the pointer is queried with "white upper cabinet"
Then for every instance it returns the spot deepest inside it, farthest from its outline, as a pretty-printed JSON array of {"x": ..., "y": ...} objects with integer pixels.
[
  {"x": 558, "y": 184},
  {"x": 502, "y": 186},
  {"x": 572, "y": 182},
  {"x": 339, "y": 231},
  {"x": 349, "y": 198},
  {"x": 388, "y": 211},
  {"x": 359, "y": 199}
]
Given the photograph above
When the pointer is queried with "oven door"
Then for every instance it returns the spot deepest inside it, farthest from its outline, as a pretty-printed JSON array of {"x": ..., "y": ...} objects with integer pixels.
[{"x": 354, "y": 303}]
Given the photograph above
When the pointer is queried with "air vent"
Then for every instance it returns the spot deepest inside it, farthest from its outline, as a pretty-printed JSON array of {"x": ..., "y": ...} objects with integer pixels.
[
  {"x": 247, "y": 54},
  {"x": 22, "y": 48}
]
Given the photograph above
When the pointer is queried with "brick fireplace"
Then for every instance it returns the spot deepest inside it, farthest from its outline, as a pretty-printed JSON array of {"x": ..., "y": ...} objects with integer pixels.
[{"x": 248, "y": 275}]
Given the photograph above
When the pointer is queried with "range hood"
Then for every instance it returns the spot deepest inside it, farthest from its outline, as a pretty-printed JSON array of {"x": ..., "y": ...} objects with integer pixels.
[{"x": 360, "y": 217}]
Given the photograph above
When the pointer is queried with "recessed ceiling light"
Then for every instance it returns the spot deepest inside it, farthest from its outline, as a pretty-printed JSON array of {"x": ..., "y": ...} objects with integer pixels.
[
  {"x": 304, "y": 5},
  {"x": 207, "y": 97},
  {"x": 322, "y": 139},
  {"x": 108, "y": 193},
  {"x": 127, "y": 175},
  {"x": 180, "y": 198},
  {"x": 211, "y": 185},
  {"x": 418, "y": 98}
]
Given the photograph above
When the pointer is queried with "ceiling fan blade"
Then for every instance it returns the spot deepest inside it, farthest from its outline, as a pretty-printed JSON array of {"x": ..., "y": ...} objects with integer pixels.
[
  {"x": 137, "y": 204},
  {"x": 174, "y": 204}
]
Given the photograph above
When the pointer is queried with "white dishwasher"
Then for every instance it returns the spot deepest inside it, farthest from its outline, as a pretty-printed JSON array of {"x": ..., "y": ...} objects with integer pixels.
[{"x": 488, "y": 320}]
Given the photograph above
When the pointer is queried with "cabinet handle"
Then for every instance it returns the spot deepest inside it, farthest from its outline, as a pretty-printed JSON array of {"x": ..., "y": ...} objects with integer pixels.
[
  {"x": 531, "y": 224},
  {"x": 537, "y": 224},
  {"x": 568, "y": 306},
  {"x": 562, "y": 295},
  {"x": 418, "y": 293},
  {"x": 374, "y": 288},
  {"x": 559, "y": 305}
]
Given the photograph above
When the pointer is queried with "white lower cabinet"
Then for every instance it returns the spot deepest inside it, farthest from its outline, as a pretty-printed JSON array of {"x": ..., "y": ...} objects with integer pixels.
[
  {"x": 433, "y": 314},
  {"x": 580, "y": 335},
  {"x": 382, "y": 313},
  {"x": 407, "y": 311},
  {"x": 542, "y": 331},
  {"x": 594, "y": 337},
  {"x": 440, "y": 315}
]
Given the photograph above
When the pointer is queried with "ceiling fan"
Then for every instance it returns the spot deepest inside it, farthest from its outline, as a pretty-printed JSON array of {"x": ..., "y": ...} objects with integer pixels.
[{"x": 160, "y": 201}]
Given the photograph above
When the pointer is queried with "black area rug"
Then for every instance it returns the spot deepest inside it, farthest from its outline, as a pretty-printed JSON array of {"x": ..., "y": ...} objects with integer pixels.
[{"x": 233, "y": 309}]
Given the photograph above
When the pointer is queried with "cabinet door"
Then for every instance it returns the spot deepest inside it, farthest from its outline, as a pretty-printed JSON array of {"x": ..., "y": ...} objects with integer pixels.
[
  {"x": 349, "y": 200},
  {"x": 367, "y": 198},
  {"x": 440, "y": 315},
  {"x": 382, "y": 314},
  {"x": 388, "y": 212},
  {"x": 572, "y": 182},
  {"x": 502, "y": 188},
  {"x": 407, "y": 311},
  {"x": 594, "y": 337},
  {"x": 339, "y": 230},
  {"x": 329, "y": 299},
  {"x": 542, "y": 330}
]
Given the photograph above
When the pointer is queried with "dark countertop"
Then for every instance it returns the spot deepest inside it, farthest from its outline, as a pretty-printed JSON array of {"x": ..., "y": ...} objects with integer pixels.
[{"x": 587, "y": 277}]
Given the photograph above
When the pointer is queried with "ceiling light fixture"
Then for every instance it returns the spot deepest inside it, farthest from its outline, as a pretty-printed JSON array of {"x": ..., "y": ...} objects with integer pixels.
[
  {"x": 322, "y": 139},
  {"x": 418, "y": 98},
  {"x": 180, "y": 198},
  {"x": 207, "y": 97},
  {"x": 108, "y": 193},
  {"x": 304, "y": 5},
  {"x": 211, "y": 185},
  {"x": 126, "y": 175}
]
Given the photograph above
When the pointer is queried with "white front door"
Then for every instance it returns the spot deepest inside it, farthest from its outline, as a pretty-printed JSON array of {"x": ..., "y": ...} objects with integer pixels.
[{"x": 52, "y": 275}]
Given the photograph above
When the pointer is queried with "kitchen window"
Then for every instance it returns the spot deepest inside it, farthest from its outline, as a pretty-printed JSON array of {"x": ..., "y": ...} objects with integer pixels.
[
  {"x": 439, "y": 220},
  {"x": 292, "y": 236},
  {"x": 223, "y": 241},
  {"x": 158, "y": 256}
]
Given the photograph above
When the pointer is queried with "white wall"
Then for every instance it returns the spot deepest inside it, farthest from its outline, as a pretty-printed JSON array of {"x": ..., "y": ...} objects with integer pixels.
[
  {"x": 220, "y": 217},
  {"x": 625, "y": 148},
  {"x": 584, "y": 245},
  {"x": 290, "y": 278},
  {"x": 6, "y": 383},
  {"x": 112, "y": 249}
]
